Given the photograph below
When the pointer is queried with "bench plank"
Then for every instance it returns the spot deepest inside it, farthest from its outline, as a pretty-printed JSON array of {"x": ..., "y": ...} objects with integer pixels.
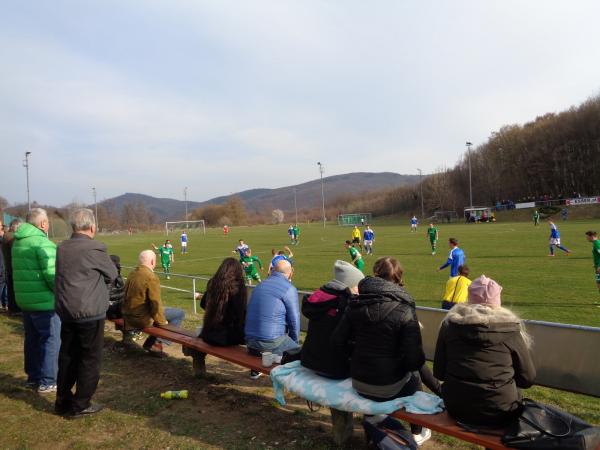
[
  {"x": 235, "y": 354},
  {"x": 445, "y": 424}
]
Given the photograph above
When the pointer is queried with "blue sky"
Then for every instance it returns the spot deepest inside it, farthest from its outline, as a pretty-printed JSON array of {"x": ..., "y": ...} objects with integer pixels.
[{"x": 151, "y": 96}]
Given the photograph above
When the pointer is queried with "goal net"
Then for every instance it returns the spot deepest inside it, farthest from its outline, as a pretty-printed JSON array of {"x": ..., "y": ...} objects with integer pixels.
[
  {"x": 444, "y": 216},
  {"x": 187, "y": 225},
  {"x": 346, "y": 220}
]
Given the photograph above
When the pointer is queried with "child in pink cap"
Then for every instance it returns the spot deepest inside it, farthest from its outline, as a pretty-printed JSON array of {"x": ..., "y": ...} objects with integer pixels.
[
  {"x": 482, "y": 355},
  {"x": 485, "y": 291}
]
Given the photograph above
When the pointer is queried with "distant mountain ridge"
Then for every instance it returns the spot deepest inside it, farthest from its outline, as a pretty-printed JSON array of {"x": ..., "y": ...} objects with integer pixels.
[{"x": 262, "y": 200}]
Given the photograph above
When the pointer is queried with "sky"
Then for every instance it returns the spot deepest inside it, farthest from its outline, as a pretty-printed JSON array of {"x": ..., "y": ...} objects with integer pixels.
[{"x": 221, "y": 96}]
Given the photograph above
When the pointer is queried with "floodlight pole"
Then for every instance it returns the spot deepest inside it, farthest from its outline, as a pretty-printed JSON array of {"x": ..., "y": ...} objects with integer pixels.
[
  {"x": 96, "y": 208},
  {"x": 322, "y": 191},
  {"x": 26, "y": 165},
  {"x": 421, "y": 184},
  {"x": 468, "y": 144},
  {"x": 185, "y": 200},
  {"x": 295, "y": 206}
]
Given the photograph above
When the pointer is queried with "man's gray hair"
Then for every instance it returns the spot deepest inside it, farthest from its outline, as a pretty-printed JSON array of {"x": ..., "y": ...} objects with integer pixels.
[
  {"x": 82, "y": 219},
  {"x": 35, "y": 216},
  {"x": 15, "y": 224}
]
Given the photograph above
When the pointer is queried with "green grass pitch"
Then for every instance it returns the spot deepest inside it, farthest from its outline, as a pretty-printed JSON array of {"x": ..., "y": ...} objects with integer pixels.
[{"x": 559, "y": 289}]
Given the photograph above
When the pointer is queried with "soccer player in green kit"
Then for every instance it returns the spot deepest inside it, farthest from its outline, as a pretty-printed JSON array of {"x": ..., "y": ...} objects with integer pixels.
[
  {"x": 592, "y": 237},
  {"x": 536, "y": 218},
  {"x": 355, "y": 255},
  {"x": 432, "y": 233},
  {"x": 166, "y": 256},
  {"x": 295, "y": 234},
  {"x": 248, "y": 263}
]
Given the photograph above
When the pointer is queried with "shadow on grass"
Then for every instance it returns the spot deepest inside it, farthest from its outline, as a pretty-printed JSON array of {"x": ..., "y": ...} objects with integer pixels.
[
  {"x": 225, "y": 408},
  {"x": 14, "y": 388}
]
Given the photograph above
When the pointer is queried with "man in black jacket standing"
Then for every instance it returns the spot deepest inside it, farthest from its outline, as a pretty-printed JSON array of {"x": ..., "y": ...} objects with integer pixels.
[{"x": 83, "y": 269}]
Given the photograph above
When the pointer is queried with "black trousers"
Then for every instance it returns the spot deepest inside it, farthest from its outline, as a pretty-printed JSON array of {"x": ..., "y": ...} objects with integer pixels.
[{"x": 79, "y": 364}]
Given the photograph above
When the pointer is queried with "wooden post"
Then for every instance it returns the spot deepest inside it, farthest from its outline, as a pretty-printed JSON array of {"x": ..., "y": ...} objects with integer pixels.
[
  {"x": 198, "y": 361},
  {"x": 343, "y": 426}
]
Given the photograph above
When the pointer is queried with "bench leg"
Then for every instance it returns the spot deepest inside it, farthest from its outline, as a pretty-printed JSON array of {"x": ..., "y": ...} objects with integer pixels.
[
  {"x": 343, "y": 426},
  {"x": 198, "y": 361},
  {"x": 127, "y": 340}
]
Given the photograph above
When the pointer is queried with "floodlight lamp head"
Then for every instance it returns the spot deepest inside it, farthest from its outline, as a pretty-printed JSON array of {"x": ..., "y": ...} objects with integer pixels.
[{"x": 468, "y": 144}]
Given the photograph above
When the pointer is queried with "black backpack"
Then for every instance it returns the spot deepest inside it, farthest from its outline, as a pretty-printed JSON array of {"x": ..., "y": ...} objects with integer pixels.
[{"x": 388, "y": 434}]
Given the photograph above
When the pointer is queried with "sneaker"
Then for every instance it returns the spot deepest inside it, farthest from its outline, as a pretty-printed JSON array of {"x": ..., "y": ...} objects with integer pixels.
[
  {"x": 92, "y": 409},
  {"x": 168, "y": 277},
  {"x": 46, "y": 388},
  {"x": 425, "y": 435},
  {"x": 255, "y": 375},
  {"x": 155, "y": 349},
  {"x": 551, "y": 254},
  {"x": 33, "y": 385},
  {"x": 136, "y": 335}
]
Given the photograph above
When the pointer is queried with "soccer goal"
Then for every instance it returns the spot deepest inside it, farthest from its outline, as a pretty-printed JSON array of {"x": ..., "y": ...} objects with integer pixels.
[
  {"x": 187, "y": 225},
  {"x": 346, "y": 220},
  {"x": 444, "y": 216}
]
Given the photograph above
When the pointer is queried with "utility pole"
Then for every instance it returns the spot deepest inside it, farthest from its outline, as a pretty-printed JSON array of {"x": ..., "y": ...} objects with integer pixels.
[
  {"x": 185, "y": 200},
  {"x": 96, "y": 208},
  {"x": 421, "y": 184},
  {"x": 26, "y": 165},
  {"x": 322, "y": 191},
  {"x": 468, "y": 144},
  {"x": 295, "y": 206}
]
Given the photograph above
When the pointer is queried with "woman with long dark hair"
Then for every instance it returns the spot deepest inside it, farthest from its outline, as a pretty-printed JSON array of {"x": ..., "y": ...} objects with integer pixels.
[{"x": 224, "y": 303}]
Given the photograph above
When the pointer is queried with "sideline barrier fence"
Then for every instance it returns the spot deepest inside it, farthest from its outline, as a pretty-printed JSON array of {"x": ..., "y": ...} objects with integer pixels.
[{"x": 566, "y": 356}]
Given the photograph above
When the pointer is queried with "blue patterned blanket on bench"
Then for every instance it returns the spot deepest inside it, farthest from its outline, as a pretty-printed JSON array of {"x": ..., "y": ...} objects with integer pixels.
[{"x": 340, "y": 395}]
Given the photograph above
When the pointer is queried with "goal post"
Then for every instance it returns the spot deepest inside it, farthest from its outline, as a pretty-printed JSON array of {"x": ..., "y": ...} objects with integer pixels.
[
  {"x": 187, "y": 225},
  {"x": 443, "y": 216},
  {"x": 346, "y": 220}
]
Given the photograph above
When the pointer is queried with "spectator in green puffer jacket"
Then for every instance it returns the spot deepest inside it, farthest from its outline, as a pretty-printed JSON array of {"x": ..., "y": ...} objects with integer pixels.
[{"x": 33, "y": 260}]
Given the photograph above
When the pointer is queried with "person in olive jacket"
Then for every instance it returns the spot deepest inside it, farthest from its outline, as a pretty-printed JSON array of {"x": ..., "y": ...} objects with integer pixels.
[
  {"x": 482, "y": 355},
  {"x": 388, "y": 350},
  {"x": 142, "y": 305},
  {"x": 33, "y": 258},
  {"x": 324, "y": 309},
  {"x": 83, "y": 269}
]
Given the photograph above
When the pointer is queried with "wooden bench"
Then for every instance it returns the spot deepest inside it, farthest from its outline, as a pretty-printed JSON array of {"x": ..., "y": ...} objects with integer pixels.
[
  {"x": 342, "y": 421},
  {"x": 197, "y": 348}
]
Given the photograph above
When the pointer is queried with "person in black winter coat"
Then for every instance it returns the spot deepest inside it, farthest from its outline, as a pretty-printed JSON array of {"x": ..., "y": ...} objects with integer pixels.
[
  {"x": 225, "y": 302},
  {"x": 324, "y": 309},
  {"x": 388, "y": 350},
  {"x": 116, "y": 292},
  {"x": 482, "y": 355}
]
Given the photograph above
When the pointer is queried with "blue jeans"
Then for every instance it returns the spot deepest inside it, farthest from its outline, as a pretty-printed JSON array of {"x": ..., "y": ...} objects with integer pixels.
[
  {"x": 447, "y": 305},
  {"x": 277, "y": 346},
  {"x": 175, "y": 317},
  {"x": 42, "y": 343}
]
